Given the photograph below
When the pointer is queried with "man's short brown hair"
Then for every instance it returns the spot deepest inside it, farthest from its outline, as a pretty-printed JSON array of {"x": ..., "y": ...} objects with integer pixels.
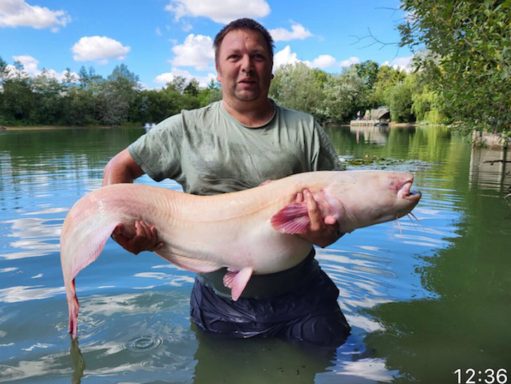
[{"x": 244, "y": 23}]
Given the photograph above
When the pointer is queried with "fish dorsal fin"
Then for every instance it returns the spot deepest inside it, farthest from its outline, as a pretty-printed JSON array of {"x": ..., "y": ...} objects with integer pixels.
[
  {"x": 292, "y": 219},
  {"x": 237, "y": 281}
]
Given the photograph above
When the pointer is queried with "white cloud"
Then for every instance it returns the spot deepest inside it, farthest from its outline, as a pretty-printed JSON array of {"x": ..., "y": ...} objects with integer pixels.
[
  {"x": 99, "y": 48},
  {"x": 323, "y": 61},
  {"x": 219, "y": 11},
  {"x": 283, "y": 57},
  {"x": 196, "y": 51},
  {"x": 287, "y": 56},
  {"x": 349, "y": 62},
  {"x": 17, "y": 13},
  {"x": 402, "y": 63},
  {"x": 29, "y": 63},
  {"x": 165, "y": 78},
  {"x": 297, "y": 32},
  {"x": 31, "y": 68}
]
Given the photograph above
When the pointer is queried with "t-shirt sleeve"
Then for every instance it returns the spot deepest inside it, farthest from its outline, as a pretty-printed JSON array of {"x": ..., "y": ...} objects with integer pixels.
[
  {"x": 158, "y": 151},
  {"x": 325, "y": 158}
]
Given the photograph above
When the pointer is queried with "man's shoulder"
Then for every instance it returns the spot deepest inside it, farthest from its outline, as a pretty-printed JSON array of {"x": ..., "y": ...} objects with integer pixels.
[
  {"x": 295, "y": 115},
  {"x": 202, "y": 112},
  {"x": 188, "y": 118}
]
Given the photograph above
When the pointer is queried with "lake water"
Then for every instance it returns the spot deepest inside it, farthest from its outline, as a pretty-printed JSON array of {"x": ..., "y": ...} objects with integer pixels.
[{"x": 424, "y": 297}]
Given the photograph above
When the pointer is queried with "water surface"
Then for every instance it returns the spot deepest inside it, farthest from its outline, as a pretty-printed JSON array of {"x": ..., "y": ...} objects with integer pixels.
[{"x": 424, "y": 297}]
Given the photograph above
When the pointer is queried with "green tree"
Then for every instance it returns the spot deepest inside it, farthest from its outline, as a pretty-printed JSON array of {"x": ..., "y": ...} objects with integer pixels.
[
  {"x": 399, "y": 100},
  {"x": 210, "y": 93},
  {"x": 48, "y": 93},
  {"x": 189, "y": 96},
  {"x": 79, "y": 107},
  {"x": 469, "y": 44},
  {"x": 18, "y": 100},
  {"x": 427, "y": 102},
  {"x": 192, "y": 88},
  {"x": 3, "y": 75},
  {"x": 368, "y": 72},
  {"x": 88, "y": 79},
  {"x": 3, "y": 70},
  {"x": 147, "y": 107},
  {"x": 386, "y": 78},
  {"x": 299, "y": 87},
  {"x": 178, "y": 84},
  {"x": 343, "y": 96},
  {"x": 117, "y": 95},
  {"x": 17, "y": 96}
]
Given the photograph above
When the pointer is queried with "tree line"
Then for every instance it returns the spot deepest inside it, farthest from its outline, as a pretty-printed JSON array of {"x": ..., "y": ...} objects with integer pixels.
[
  {"x": 92, "y": 99},
  {"x": 461, "y": 75},
  {"x": 118, "y": 99}
]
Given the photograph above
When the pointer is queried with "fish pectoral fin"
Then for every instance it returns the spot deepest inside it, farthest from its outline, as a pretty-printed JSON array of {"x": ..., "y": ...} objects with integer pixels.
[
  {"x": 292, "y": 219},
  {"x": 237, "y": 281}
]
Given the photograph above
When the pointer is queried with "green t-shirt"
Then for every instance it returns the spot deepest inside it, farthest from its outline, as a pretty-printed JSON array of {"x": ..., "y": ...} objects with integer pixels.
[{"x": 208, "y": 152}]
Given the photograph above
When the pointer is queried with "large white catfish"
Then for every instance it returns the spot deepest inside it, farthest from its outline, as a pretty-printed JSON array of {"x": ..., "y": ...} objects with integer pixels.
[{"x": 249, "y": 232}]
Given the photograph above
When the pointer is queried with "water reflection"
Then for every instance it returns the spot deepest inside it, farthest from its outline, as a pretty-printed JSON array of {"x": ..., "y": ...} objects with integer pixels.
[
  {"x": 257, "y": 361},
  {"x": 369, "y": 369},
  {"x": 24, "y": 293},
  {"x": 36, "y": 236},
  {"x": 374, "y": 134},
  {"x": 490, "y": 168}
]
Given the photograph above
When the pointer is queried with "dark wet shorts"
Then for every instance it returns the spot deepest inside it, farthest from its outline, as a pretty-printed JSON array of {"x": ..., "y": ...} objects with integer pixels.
[{"x": 308, "y": 313}]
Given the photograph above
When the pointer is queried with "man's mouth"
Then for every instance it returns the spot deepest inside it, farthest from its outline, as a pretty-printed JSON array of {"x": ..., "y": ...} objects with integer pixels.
[{"x": 247, "y": 81}]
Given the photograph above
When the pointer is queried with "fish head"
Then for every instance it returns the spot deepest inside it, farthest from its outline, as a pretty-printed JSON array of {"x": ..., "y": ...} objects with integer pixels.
[{"x": 363, "y": 198}]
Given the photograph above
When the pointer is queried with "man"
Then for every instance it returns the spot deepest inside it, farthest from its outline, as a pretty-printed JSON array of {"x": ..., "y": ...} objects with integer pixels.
[{"x": 238, "y": 143}]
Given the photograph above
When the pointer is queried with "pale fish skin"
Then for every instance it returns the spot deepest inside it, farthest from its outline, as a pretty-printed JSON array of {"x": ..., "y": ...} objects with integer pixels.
[{"x": 254, "y": 231}]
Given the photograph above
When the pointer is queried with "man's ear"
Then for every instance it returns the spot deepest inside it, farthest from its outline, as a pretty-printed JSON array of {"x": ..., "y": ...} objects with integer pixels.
[{"x": 218, "y": 75}]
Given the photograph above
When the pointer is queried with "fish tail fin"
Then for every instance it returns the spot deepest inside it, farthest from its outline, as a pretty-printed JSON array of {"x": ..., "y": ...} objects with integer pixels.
[
  {"x": 73, "y": 308},
  {"x": 84, "y": 234}
]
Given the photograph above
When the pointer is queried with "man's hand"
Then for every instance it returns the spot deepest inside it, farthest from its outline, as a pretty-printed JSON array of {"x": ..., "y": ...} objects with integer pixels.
[
  {"x": 323, "y": 231},
  {"x": 143, "y": 238}
]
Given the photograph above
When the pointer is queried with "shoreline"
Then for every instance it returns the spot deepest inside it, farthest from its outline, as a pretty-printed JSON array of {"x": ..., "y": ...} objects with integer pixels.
[
  {"x": 7, "y": 128},
  {"x": 33, "y": 128}
]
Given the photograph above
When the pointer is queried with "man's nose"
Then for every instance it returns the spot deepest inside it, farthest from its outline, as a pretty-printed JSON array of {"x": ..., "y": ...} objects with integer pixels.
[{"x": 246, "y": 64}]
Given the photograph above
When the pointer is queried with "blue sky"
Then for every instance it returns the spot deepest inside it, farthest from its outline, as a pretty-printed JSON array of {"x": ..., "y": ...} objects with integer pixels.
[{"x": 159, "y": 39}]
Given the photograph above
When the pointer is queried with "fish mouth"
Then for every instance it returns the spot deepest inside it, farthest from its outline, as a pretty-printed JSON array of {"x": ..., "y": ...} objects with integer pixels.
[{"x": 406, "y": 192}]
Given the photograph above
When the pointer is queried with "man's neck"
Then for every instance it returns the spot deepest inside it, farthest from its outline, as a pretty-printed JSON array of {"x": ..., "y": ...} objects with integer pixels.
[{"x": 251, "y": 115}]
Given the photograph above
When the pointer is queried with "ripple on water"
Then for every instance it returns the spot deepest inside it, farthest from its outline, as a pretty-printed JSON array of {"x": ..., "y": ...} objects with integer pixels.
[{"x": 144, "y": 343}]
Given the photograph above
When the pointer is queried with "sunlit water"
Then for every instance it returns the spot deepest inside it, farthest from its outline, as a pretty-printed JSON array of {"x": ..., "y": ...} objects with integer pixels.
[{"x": 424, "y": 297}]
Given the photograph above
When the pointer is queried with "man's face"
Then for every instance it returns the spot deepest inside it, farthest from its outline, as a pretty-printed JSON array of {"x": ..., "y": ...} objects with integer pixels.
[{"x": 244, "y": 66}]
